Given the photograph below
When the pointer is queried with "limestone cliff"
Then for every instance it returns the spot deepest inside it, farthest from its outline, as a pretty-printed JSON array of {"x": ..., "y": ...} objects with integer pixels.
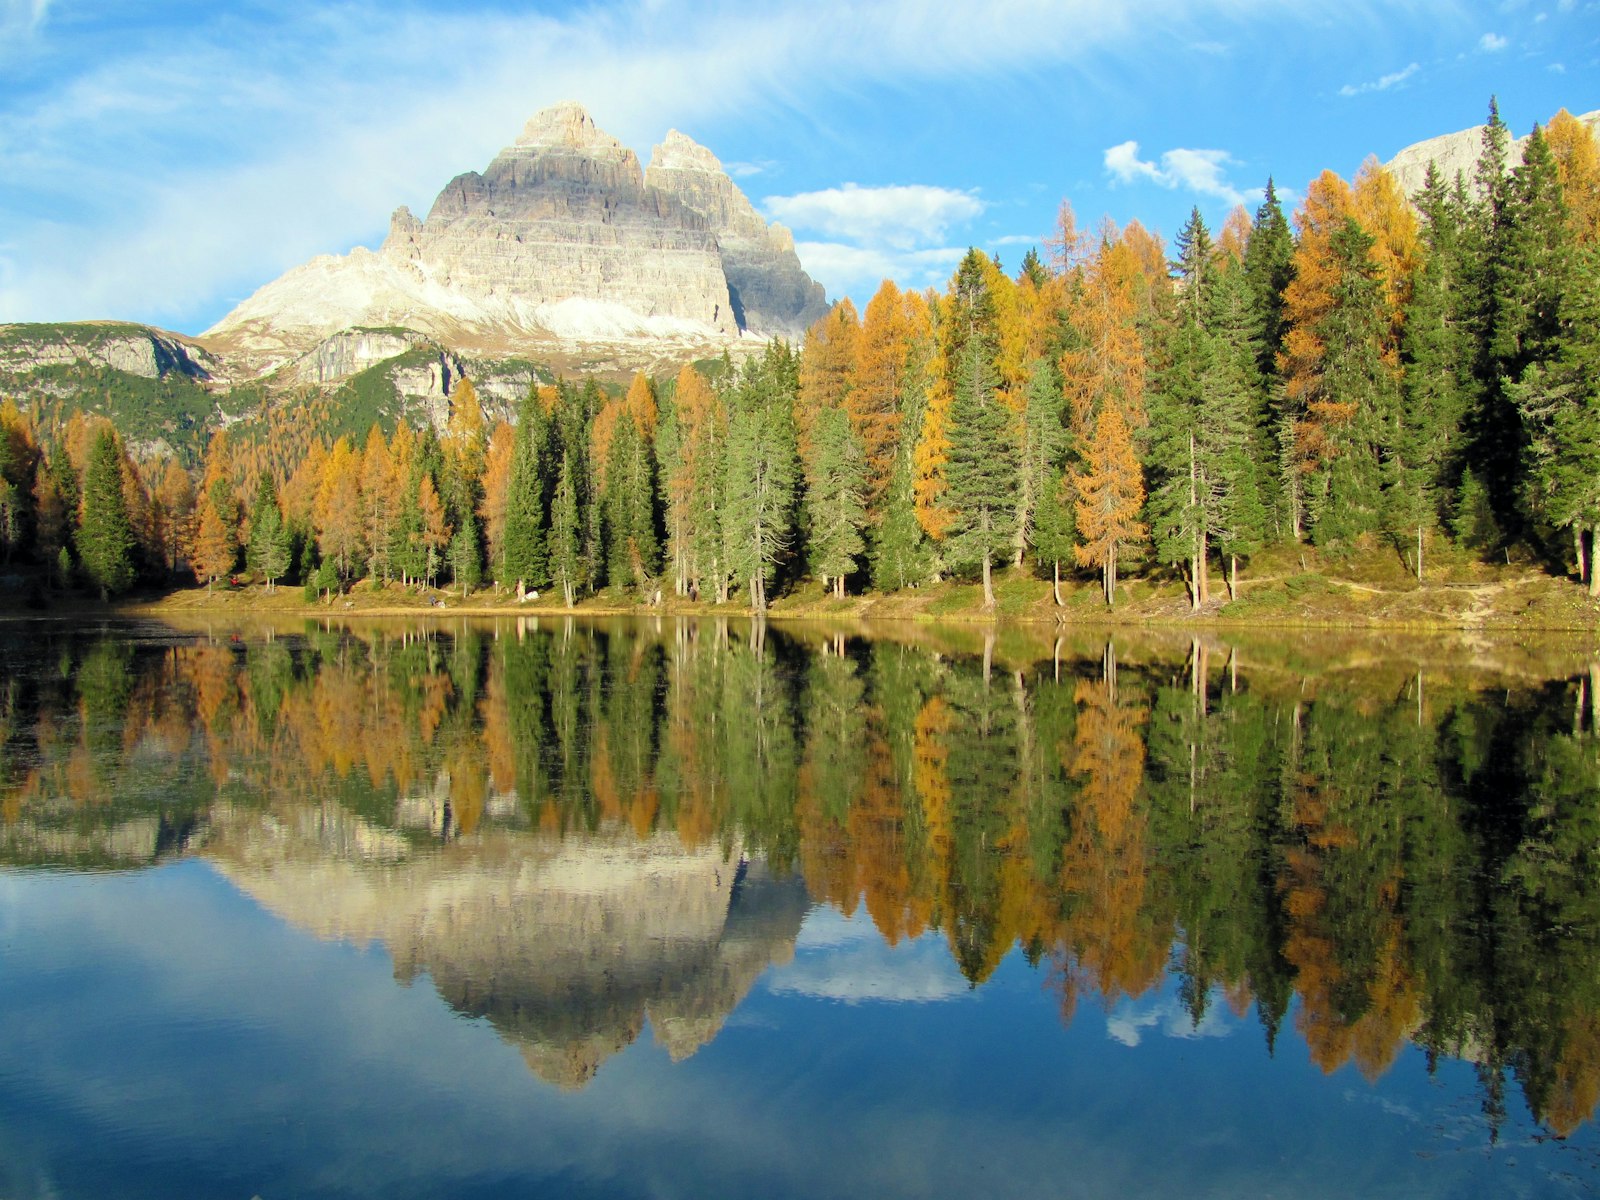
[
  {"x": 1455, "y": 153},
  {"x": 770, "y": 291},
  {"x": 561, "y": 240}
]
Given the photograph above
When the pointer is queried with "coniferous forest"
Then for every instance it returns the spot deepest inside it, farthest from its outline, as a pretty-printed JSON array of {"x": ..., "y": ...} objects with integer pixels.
[{"x": 1365, "y": 374}]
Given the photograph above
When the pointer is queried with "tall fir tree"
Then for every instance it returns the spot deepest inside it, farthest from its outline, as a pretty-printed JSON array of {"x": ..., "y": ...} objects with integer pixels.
[
  {"x": 105, "y": 536},
  {"x": 836, "y": 501},
  {"x": 523, "y": 542},
  {"x": 761, "y": 473}
]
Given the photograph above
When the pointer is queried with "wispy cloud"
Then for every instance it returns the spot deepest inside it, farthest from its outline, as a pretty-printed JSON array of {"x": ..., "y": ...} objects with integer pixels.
[
  {"x": 1128, "y": 1021},
  {"x": 1383, "y": 83},
  {"x": 153, "y": 165},
  {"x": 1199, "y": 171},
  {"x": 900, "y": 217},
  {"x": 1492, "y": 43}
]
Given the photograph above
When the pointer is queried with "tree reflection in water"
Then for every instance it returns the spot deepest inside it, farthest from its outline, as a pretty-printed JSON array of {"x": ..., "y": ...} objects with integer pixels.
[{"x": 575, "y": 827}]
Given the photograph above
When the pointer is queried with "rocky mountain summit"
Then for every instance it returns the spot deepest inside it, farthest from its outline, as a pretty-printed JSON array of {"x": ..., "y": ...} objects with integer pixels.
[
  {"x": 563, "y": 240},
  {"x": 1455, "y": 153}
]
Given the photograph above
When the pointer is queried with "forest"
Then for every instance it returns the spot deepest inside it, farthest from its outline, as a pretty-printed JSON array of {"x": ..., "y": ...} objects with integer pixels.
[{"x": 1373, "y": 375}]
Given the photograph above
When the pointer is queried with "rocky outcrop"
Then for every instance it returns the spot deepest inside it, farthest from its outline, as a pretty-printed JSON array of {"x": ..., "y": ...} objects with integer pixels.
[
  {"x": 1455, "y": 153},
  {"x": 561, "y": 240},
  {"x": 133, "y": 349}
]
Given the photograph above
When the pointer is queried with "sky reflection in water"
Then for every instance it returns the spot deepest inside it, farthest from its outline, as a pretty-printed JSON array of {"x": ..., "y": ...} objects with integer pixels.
[{"x": 181, "y": 1029}]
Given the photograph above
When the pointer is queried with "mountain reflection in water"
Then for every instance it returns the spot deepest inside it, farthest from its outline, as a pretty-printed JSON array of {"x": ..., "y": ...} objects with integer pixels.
[{"x": 573, "y": 829}]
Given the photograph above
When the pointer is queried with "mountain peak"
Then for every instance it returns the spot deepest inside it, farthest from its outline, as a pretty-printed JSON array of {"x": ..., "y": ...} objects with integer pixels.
[
  {"x": 680, "y": 152},
  {"x": 565, "y": 124}
]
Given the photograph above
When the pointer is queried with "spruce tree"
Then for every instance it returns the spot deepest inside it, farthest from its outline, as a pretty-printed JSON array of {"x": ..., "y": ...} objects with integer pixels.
[
  {"x": 901, "y": 554},
  {"x": 268, "y": 551},
  {"x": 566, "y": 557},
  {"x": 761, "y": 472},
  {"x": 523, "y": 549},
  {"x": 1560, "y": 399},
  {"x": 466, "y": 555},
  {"x": 105, "y": 535},
  {"x": 1044, "y": 442},
  {"x": 632, "y": 545},
  {"x": 837, "y": 500},
  {"x": 1437, "y": 354},
  {"x": 982, "y": 470}
]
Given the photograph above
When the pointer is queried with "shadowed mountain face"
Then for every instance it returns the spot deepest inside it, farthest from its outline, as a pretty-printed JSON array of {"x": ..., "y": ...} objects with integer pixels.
[{"x": 563, "y": 239}]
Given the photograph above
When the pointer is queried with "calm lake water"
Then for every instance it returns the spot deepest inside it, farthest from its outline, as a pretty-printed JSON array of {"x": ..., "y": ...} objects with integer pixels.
[{"x": 684, "y": 910}]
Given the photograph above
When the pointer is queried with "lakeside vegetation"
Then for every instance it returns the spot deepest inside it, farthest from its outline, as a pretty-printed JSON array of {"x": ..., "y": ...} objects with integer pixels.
[{"x": 1393, "y": 390}]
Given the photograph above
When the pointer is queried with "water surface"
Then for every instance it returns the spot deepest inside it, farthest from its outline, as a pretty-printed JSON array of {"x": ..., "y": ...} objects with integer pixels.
[{"x": 657, "y": 909}]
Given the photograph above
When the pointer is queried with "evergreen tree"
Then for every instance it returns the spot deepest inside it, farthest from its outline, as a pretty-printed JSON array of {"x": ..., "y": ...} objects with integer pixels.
[
  {"x": 1437, "y": 353},
  {"x": 982, "y": 469},
  {"x": 761, "y": 472},
  {"x": 1044, "y": 442},
  {"x": 837, "y": 500},
  {"x": 1560, "y": 400},
  {"x": 629, "y": 503},
  {"x": 105, "y": 536},
  {"x": 566, "y": 565},
  {"x": 523, "y": 549},
  {"x": 901, "y": 554},
  {"x": 268, "y": 553},
  {"x": 466, "y": 555},
  {"x": 1268, "y": 266}
]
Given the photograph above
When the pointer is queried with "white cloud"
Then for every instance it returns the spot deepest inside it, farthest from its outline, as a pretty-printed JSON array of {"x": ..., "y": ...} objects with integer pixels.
[
  {"x": 1491, "y": 43},
  {"x": 1128, "y": 1021},
  {"x": 151, "y": 174},
  {"x": 900, "y": 217},
  {"x": 1200, "y": 171},
  {"x": 744, "y": 170},
  {"x": 857, "y": 271},
  {"x": 845, "y": 958},
  {"x": 1382, "y": 84}
]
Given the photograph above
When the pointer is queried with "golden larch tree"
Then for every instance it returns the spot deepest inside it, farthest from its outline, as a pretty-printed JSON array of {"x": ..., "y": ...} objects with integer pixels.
[
  {"x": 1110, "y": 494},
  {"x": 827, "y": 372},
  {"x": 1577, "y": 156}
]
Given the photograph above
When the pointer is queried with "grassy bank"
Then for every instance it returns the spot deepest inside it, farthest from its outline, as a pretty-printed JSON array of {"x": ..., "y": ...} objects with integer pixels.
[{"x": 1294, "y": 587}]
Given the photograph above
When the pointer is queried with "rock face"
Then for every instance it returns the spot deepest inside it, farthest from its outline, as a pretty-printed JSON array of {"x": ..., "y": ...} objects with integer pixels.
[
  {"x": 133, "y": 349},
  {"x": 563, "y": 238},
  {"x": 771, "y": 292},
  {"x": 1455, "y": 153}
]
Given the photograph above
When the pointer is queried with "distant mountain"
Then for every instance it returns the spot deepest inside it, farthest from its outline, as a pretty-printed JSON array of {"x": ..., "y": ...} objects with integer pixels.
[
  {"x": 562, "y": 244},
  {"x": 1453, "y": 153}
]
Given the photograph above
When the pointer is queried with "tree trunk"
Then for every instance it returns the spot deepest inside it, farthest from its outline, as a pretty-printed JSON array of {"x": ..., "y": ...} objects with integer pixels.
[
  {"x": 1055, "y": 585},
  {"x": 838, "y": 586},
  {"x": 988, "y": 584},
  {"x": 1590, "y": 574},
  {"x": 1419, "y": 553},
  {"x": 1202, "y": 569},
  {"x": 1233, "y": 577}
]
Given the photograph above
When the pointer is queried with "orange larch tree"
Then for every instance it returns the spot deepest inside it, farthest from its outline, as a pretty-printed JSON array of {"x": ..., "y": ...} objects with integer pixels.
[{"x": 1110, "y": 495}]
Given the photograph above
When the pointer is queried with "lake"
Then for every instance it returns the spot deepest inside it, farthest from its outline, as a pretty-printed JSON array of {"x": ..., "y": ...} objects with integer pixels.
[{"x": 682, "y": 909}]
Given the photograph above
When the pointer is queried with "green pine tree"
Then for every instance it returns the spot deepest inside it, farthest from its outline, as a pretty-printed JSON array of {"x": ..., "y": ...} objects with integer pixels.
[
  {"x": 105, "y": 535},
  {"x": 566, "y": 555},
  {"x": 761, "y": 472},
  {"x": 983, "y": 467},
  {"x": 836, "y": 502},
  {"x": 523, "y": 556}
]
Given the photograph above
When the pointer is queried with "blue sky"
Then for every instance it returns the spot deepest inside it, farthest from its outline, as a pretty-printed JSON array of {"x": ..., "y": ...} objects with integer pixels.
[{"x": 160, "y": 161}]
